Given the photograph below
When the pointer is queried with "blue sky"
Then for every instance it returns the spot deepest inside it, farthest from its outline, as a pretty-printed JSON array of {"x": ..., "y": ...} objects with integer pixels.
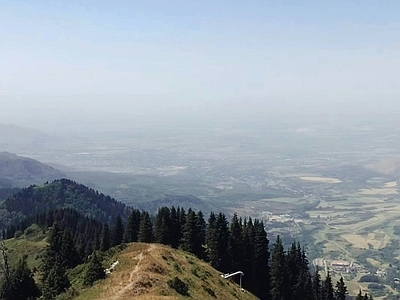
[{"x": 190, "y": 54}]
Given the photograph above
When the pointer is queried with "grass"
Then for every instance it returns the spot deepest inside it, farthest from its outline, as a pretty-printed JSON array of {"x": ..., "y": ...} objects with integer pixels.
[
  {"x": 145, "y": 273},
  {"x": 29, "y": 244},
  {"x": 379, "y": 191},
  {"x": 374, "y": 240}
]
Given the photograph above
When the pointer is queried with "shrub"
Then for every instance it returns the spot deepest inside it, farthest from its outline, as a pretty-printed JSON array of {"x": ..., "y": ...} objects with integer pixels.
[
  {"x": 209, "y": 291},
  {"x": 94, "y": 271},
  {"x": 18, "y": 234},
  {"x": 374, "y": 286},
  {"x": 369, "y": 278},
  {"x": 177, "y": 267},
  {"x": 195, "y": 270},
  {"x": 179, "y": 286}
]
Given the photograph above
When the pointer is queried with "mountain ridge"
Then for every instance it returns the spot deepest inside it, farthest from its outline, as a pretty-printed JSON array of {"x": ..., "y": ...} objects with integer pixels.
[
  {"x": 20, "y": 171},
  {"x": 146, "y": 271}
]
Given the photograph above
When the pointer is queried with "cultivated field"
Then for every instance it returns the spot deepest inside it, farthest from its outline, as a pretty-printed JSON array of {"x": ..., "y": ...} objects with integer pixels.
[{"x": 333, "y": 185}]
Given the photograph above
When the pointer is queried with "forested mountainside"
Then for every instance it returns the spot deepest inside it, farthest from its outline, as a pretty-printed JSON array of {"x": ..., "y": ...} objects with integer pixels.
[
  {"x": 18, "y": 171},
  {"x": 77, "y": 239},
  {"x": 62, "y": 193},
  {"x": 6, "y": 192}
]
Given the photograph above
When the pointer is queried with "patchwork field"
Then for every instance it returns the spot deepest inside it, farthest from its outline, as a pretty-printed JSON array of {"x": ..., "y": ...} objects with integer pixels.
[
  {"x": 371, "y": 240},
  {"x": 320, "y": 179},
  {"x": 334, "y": 186}
]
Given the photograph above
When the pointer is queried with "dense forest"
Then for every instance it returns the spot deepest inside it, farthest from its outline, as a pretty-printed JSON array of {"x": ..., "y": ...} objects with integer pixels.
[
  {"x": 271, "y": 271},
  {"x": 61, "y": 193}
]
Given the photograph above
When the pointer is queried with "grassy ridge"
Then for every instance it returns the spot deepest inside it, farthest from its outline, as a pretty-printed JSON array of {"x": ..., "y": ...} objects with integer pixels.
[
  {"x": 30, "y": 244},
  {"x": 145, "y": 271}
]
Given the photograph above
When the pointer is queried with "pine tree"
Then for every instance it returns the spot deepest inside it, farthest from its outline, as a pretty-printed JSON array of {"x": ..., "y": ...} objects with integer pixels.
[
  {"x": 200, "y": 235},
  {"x": 316, "y": 285},
  {"x": 175, "y": 229},
  {"x": 217, "y": 242},
  {"x": 328, "y": 288},
  {"x": 145, "y": 228},
  {"x": 248, "y": 256},
  {"x": 52, "y": 255},
  {"x": 105, "y": 239},
  {"x": 293, "y": 265},
  {"x": 188, "y": 241},
  {"x": 54, "y": 278},
  {"x": 359, "y": 296},
  {"x": 117, "y": 232},
  {"x": 366, "y": 297},
  {"x": 236, "y": 243},
  {"x": 181, "y": 216},
  {"x": 212, "y": 240},
  {"x": 261, "y": 258},
  {"x": 88, "y": 249},
  {"x": 132, "y": 226},
  {"x": 341, "y": 290},
  {"x": 55, "y": 283},
  {"x": 162, "y": 226},
  {"x": 68, "y": 254},
  {"x": 304, "y": 283},
  {"x": 277, "y": 271},
  {"x": 304, "y": 287},
  {"x": 94, "y": 270},
  {"x": 20, "y": 284}
]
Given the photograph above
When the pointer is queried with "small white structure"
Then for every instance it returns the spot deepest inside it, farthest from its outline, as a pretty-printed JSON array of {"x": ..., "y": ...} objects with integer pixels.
[
  {"x": 229, "y": 275},
  {"x": 111, "y": 268}
]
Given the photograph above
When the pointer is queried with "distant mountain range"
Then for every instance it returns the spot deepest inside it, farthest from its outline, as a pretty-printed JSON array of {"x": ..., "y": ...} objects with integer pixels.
[
  {"x": 14, "y": 138},
  {"x": 18, "y": 171}
]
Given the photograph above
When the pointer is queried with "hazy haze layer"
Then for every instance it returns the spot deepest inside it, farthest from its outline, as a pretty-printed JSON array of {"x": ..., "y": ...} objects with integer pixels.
[{"x": 96, "y": 64}]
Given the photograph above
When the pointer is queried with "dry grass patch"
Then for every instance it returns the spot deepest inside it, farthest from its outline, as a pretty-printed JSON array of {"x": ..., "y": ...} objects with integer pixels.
[
  {"x": 354, "y": 287},
  {"x": 391, "y": 184},
  {"x": 374, "y": 262},
  {"x": 145, "y": 270},
  {"x": 383, "y": 191},
  {"x": 320, "y": 179},
  {"x": 371, "y": 240}
]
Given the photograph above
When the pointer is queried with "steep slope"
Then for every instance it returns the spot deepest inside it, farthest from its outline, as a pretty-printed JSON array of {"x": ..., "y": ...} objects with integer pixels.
[
  {"x": 145, "y": 270},
  {"x": 18, "y": 171}
]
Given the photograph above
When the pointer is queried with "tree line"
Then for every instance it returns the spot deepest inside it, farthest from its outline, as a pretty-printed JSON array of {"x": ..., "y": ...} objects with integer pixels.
[{"x": 271, "y": 271}]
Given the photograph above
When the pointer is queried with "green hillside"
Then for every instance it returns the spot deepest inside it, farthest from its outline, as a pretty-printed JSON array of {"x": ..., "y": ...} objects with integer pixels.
[{"x": 62, "y": 193}]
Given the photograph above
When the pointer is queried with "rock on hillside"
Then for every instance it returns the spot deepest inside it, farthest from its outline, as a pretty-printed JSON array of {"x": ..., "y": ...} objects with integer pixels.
[
  {"x": 147, "y": 271},
  {"x": 22, "y": 171}
]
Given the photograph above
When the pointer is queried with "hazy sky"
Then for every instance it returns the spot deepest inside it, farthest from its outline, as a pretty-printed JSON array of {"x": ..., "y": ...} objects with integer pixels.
[{"x": 74, "y": 60}]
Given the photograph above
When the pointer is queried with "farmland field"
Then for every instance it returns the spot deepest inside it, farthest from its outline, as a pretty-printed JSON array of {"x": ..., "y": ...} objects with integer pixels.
[{"x": 333, "y": 188}]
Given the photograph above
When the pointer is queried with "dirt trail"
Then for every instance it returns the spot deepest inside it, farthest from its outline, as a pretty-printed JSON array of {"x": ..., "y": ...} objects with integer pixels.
[{"x": 132, "y": 279}]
